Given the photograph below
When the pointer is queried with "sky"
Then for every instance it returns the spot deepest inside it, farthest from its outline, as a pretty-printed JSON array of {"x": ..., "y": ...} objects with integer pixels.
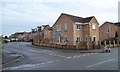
[{"x": 24, "y": 15}]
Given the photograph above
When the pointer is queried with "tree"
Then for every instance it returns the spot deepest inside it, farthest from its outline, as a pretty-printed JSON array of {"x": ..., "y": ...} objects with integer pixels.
[{"x": 6, "y": 37}]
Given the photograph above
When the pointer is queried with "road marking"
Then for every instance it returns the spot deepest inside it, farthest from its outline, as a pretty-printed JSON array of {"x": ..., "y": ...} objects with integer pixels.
[
  {"x": 88, "y": 54},
  {"x": 61, "y": 56},
  {"x": 57, "y": 60},
  {"x": 31, "y": 50},
  {"x": 74, "y": 56},
  {"x": 69, "y": 57},
  {"x": 100, "y": 63},
  {"x": 50, "y": 54},
  {"x": 35, "y": 51},
  {"x": 78, "y": 56},
  {"x": 84, "y": 55},
  {"x": 22, "y": 66},
  {"x": 42, "y": 63},
  {"x": 57, "y": 55},
  {"x": 50, "y": 62},
  {"x": 25, "y": 66}
]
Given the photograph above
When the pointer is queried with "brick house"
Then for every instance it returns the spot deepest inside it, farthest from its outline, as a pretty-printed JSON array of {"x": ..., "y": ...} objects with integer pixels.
[
  {"x": 108, "y": 30},
  {"x": 118, "y": 24},
  {"x": 71, "y": 30},
  {"x": 18, "y": 36},
  {"x": 47, "y": 34},
  {"x": 43, "y": 35},
  {"x": 26, "y": 36}
]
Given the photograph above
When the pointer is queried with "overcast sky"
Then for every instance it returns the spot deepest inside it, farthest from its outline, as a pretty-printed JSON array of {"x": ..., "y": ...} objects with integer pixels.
[{"x": 23, "y": 15}]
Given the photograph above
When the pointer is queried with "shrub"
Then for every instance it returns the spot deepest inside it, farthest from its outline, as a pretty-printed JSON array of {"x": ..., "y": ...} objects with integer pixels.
[
  {"x": 102, "y": 42},
  {"x": 82, "y": 43}
]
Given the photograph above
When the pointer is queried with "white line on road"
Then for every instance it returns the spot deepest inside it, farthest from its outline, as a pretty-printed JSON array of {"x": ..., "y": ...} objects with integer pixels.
[
  {"x": 78, "y": 56},
  {"x": 25, "y": 66},
  {"x": 34, "y": 51},
  {"x": 57, "y": 60},
  {"x": 84, "y": 55},
  {"x": 42, "y": 63},
  {"x": 69, "y": 57},
  {"x": 74, "y": 56},
  {"x": 100, "y": 63},
  {"x": 50, "y": 62}
]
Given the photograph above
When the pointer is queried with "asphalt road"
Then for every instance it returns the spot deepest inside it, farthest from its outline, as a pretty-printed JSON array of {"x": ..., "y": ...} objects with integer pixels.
[{"x": 42, "y": 58}]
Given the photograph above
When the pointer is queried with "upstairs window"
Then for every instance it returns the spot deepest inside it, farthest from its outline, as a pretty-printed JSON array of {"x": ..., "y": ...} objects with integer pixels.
[
  {"x": 78, "y": 40},
  {"x": 65, "y": 27},
  {"x": 93, "y": 26},
  {"x": 107, "y": 30},
  {"x": 46, "y": 32},
  {"x": 78, "y": 26},
  {"x": 58, "y": 27}
]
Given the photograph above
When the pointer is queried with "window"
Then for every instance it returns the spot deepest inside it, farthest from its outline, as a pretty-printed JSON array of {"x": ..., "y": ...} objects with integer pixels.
[
  {"x": 78, "y": 40},
  {"x": 78, "y": 26},
  {"x": 107, "y": 30},
  {"x": 65, "y": 27},
  {"x": 94, "y": 38},
  {"x": 58, "y": 27},
  {"x": 66, "y": 38},
  {"x": 45, "y": 32},
  {"x": 93, "y": 26},
  {"x": 85, "y": 38}
]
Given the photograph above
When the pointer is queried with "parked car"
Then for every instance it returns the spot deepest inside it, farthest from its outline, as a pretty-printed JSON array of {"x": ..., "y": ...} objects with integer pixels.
[{"x": 6, "y": 40}]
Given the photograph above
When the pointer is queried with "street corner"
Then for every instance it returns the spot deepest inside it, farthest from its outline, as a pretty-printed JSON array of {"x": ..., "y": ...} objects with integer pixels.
[{"x": 9, "y": 58}]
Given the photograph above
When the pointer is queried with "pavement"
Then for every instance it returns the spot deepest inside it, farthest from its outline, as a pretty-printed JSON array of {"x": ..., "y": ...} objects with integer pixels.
[{"x": 44, "y": 58}]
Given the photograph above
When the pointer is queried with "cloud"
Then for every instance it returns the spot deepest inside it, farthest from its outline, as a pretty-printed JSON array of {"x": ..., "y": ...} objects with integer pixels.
[{"x": 35, "y": 12}]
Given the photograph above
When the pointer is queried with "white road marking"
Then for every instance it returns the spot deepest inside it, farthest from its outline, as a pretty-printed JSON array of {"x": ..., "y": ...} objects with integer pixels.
[
  {"x": 50, "y": 54},
  {"x": 50, "y": 62},
  {"x": 57, "y": 55},
  {"x": 25, "y": 66},
  {"x": 99, "y": 63},
  {"x": 84, "y": 55},
  {"x": 88, "y": 54},
  {"x": 69, "y": 57},
  {"x": 42, "y": 63},
  {"x": 57, "y": 60},
  {"x": 31, "y": 50},
  {"x": 78, "y": 56},
  {"x": 74, "y": 56},
  {"x": 92, "y": 53},
  {"x": 22, "y": 66}
]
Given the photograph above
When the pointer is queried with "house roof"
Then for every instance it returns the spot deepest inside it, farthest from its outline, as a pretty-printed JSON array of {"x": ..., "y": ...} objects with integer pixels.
[
  {"x": 117, "y": 24},
  {"x": 78, "y": 19},
  {"x": 19, "y": 32},
  {"x": 47, "y": 26}
]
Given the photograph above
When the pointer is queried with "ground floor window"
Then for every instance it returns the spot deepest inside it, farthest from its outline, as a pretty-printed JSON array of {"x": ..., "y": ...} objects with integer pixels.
[{"x": 78, "y": 40}]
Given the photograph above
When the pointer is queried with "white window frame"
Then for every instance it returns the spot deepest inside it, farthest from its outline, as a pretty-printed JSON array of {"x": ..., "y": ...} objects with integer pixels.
[
  {"x": 93, "y": 38},
  {"x": 94, "y": 26},
  {"x": 78, "y": 26},
  {"x": 78, "y": 38},
  {"x": 58, "y": 27},
  {"x": 107, "y": 30},
  {"x": 65, "y": 26}
]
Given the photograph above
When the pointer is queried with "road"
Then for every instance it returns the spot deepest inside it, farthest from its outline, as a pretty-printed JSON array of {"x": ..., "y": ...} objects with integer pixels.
[{"x": 42, "y": 58}]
